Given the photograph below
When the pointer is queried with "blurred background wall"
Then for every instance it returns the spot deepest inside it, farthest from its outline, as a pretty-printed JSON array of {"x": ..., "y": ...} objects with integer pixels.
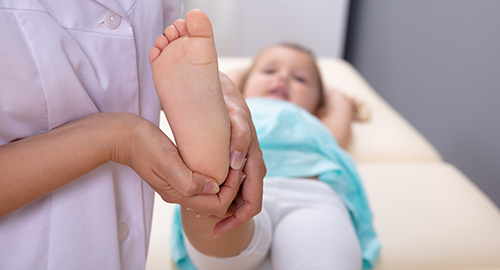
[
  {"x": 436, "y": 62},
  {"x": 244, "y": 27}
]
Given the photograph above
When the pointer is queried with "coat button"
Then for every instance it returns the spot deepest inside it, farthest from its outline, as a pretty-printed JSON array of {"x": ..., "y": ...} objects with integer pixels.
[
  {"x": 123, "y": 231},
  {"x": 111, "y": 20}
]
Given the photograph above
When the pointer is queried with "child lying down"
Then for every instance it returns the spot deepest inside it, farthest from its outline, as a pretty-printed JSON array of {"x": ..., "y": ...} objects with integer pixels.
[{"x": 315, "y": 214}]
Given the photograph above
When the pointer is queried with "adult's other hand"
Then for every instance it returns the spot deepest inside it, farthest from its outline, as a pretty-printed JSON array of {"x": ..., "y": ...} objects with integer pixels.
[{"x": 244, "y": 146}]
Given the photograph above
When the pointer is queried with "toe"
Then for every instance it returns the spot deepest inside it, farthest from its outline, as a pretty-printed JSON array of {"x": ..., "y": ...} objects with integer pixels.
[
  {"x": 153, "y": 54},
  {"x": 181, "y": 27},
  {"x": 171, "y": 33},
  {"x": 161, "y": 42},
  {"x": 198, "y": 24}
]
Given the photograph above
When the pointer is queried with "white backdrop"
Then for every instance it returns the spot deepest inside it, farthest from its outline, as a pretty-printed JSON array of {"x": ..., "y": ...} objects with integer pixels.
[{"x": 244, "y": 27}]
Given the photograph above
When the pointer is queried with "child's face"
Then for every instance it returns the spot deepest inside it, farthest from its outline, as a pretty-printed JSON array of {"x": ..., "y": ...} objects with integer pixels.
[{"x": 287, "y": 74}]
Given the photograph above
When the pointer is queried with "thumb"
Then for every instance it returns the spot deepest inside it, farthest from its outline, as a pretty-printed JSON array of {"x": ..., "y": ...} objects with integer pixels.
[
  {"x": 206, "y": 184},
  {"x": 182, "y": 179},
  {"x": 240, "y": 141}
]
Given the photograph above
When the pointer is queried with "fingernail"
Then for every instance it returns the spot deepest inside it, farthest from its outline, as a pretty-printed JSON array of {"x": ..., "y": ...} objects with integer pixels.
[
  {"x": 189, "y": 209},
  {"x": 211, "y": 188},
  {"x": 236, "y": 159},
  {"x": 199, "y": 215},
  {"x": 217, "y": 235}
]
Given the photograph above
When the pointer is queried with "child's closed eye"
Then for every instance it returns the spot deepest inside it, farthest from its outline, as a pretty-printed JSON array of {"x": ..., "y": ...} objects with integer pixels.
[{"x": 301, "y": 79}]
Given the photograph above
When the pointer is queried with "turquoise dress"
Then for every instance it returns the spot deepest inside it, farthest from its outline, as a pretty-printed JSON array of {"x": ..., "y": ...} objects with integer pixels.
[{"x": 286, "y": 130}]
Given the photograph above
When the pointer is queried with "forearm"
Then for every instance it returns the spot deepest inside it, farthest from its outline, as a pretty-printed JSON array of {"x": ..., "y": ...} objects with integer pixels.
[
  {"x": 35, "y": 166},
  {"x": 340, "y": 128},
  {"x": 339, "y": 117}
]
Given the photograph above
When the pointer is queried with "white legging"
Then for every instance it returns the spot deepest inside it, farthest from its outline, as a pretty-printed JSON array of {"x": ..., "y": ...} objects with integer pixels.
[{"x": 303, "y": 225}]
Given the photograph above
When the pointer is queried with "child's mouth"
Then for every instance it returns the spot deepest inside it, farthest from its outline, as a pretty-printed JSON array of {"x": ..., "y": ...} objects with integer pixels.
[{"x": 279, "y": 93}]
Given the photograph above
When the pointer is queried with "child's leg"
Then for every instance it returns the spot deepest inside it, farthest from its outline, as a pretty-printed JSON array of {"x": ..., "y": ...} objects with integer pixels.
[
  {"x": 312, "y": 227},
  {"x": 251, "y": 257},
  {"x": 316, "y": 238},
  {"x": 186, "y": 76},
  {"x": 200, "y": 232}
]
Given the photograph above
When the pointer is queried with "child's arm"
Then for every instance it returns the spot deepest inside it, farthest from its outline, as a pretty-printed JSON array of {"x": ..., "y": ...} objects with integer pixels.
[{"x": 338, "y": 115}]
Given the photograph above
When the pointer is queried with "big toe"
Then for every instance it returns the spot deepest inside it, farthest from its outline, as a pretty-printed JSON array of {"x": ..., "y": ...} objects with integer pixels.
[{"x": 198, "y": 24}]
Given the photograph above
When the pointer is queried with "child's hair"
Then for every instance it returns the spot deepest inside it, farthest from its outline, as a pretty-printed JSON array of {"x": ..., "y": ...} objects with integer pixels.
[{"x": 300, "y": 48}]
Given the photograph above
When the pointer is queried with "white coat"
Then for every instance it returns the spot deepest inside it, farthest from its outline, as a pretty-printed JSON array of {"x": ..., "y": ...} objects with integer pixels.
[{"x": 60, "y": 61}]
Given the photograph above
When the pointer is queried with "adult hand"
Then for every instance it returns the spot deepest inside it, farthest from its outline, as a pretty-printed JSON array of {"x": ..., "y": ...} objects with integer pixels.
[
  {"x": 147, "y": 150},
  {"x": 244, "y": 146},
  {"x": 168, "y": 175}
]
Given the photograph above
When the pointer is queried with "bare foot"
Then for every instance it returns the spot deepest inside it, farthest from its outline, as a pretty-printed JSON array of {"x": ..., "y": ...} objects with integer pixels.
[{"x": 185, "y": 72}]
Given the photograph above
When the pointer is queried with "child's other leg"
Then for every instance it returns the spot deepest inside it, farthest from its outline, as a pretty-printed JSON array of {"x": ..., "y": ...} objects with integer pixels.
[
  {"x": 316, "y": 238},
  {"x": 186, "y": 76},
  {"x": 313, "y": 228},
  {"x": 245, "y": 248}
]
